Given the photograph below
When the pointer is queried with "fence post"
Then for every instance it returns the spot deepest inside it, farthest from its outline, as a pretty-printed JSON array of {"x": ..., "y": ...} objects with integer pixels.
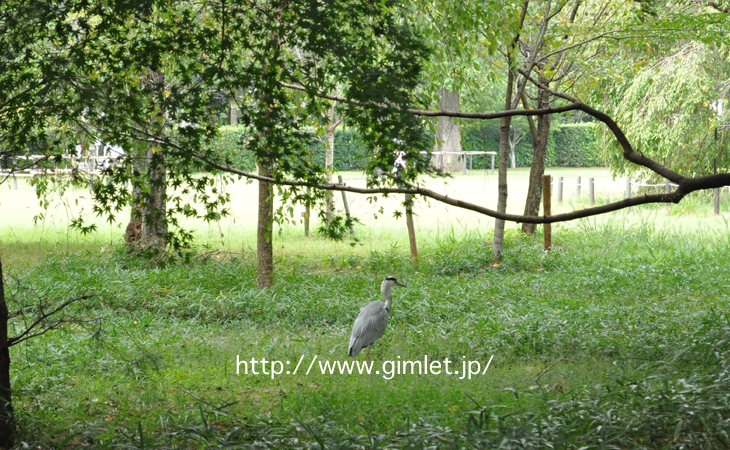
[
  {"x": 560, "y": 189},
  {"x": 628, "y": 188},
  {"x": 716, "y": 193},
  {"x": 591, "y": 191},
  {"x": 471, "y": 161},
  {"x": 492, "y": 155},
  {"x": 464, "y": 157},
  {"x": 577, "y": 190},
  {"x": 15, "y": 182},
  {"x": 667, "y": 189},
  {"x": 547, "y": 228}
]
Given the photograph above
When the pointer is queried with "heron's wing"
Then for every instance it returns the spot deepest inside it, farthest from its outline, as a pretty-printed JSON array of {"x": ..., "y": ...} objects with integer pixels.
[{"x": 369, "y": 326}]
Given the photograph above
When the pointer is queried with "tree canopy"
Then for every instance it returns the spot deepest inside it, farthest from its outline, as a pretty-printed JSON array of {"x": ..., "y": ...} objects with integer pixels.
[{"x": 156, "y": 75}]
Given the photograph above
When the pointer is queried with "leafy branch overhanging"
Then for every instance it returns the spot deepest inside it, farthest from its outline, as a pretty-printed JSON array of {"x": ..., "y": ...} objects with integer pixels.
[{"x": 686, "y": 185}]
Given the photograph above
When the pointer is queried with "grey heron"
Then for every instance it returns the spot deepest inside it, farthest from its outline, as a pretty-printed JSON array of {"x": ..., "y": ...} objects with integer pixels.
[{"x": 370, "y": 323}]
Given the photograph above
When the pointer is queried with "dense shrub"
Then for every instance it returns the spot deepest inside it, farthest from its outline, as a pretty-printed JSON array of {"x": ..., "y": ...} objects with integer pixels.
[
  {"x": 575, "y": 145},
  {"x": 229, "y": 149},
  {"x": 571, "y": 145},
  {"x": 349, "y": 150},
  {"x": 350, "y": 153}
]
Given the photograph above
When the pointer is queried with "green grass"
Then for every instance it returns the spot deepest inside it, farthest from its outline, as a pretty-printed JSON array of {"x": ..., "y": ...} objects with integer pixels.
[{"x": 619, "y": 337}]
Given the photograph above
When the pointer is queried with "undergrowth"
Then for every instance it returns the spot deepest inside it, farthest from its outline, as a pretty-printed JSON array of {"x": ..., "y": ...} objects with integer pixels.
[{"x": 617, "y": 338}]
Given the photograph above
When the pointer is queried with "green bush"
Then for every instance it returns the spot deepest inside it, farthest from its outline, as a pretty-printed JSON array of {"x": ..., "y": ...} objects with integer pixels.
[
  {"x": 229, "y": 149},
  {"x": 570, "y": 145},
  {"x": 350, "y": 153},
  {"x": 575, "y": 145}
]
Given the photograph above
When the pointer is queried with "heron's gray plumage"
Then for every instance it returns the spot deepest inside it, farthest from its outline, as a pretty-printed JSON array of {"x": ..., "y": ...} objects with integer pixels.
[{"x": 372, "y": 320}]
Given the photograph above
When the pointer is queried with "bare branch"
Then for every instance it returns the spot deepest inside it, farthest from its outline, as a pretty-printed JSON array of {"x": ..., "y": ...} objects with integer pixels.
[
  {"x": 33, "y": 329},
  {"x": 545, "y": 88}
]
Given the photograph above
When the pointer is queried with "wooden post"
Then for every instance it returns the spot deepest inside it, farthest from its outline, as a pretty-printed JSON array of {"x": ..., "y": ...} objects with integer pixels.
[
  {"x": 628, "y": 188},
  {"x": 577, "y": 190},
  {"x": 591, "y": 190},
  {"x": 716, "y": 196},
  {"x": 546, "y": 212},
  {"x": 560, "y": 189},
  {"x": 471, "y": 161},
  {"x": 464, "y": 156},
  {"x": 411, "y": 228},
  {"x": 347, "y": 207}
]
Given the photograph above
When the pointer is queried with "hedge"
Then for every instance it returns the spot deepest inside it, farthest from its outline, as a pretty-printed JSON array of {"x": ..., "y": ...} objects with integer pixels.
[
  {"x": 570, "y": 145},
  {"x": 349, "y": 151}
]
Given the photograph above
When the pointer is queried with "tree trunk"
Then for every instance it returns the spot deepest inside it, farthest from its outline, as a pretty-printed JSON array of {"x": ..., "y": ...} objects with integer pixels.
[
  {"x": 537, "y": 169},
  {"x": 233, "y": 112},
  {"x": 516, "y": 136},
  {"x": 448, "y": 135},
  {"x": 264, "y": 242},
  {"x": 133, "y": 233},
  {"x": 7, "y": 420},
  {"x": 154, "y": 224},
  {"x": 504, "y": 126},
  {"x": 329, "y": 161}
]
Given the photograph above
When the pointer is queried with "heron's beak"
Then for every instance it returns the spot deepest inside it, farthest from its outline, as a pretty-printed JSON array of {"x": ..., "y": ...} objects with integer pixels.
[{"x": 400, "y": 284}]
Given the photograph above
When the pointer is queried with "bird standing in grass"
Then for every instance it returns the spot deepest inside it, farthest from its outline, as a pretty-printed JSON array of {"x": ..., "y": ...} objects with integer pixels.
[{"x": 370, "y": 323}]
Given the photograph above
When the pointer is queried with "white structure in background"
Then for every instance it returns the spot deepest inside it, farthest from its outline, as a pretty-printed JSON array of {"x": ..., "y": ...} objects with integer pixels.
[
  {"x": 400, "y": 163},
  {"x": 99, "y": 156}
]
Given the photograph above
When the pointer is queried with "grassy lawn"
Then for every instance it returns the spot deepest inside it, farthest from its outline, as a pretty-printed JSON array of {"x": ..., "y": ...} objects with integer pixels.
[{"x": 618, "y": 338}]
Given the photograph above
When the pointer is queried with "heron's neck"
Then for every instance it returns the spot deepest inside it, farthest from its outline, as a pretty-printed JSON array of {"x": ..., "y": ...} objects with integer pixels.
[{"x": 385, "y": 290}]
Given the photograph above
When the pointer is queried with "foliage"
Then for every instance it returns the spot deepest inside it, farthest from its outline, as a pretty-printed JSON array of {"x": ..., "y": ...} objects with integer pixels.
[
  {"x": 350, "y": 151},
  {"x": 574, "y": 145},
  {"x": 633, "y": 345},
  {"x": 570, "y": 145},
  {"x": 230, "y": 148},
  {"x": 675, "y": 111},
  {"x": 125, "y": 77}
]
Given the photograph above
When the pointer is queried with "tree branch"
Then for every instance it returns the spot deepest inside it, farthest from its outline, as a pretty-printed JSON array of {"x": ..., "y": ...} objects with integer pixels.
[
  {"x": 29, "y": 333},
  {"x": 687, "y": 186}
]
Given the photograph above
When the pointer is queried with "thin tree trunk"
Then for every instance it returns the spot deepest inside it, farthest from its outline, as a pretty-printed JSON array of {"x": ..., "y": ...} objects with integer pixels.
[
  {"x": 154, "y": 223},
  {"x": 515, "y": 137},
  {"x": 504, "y": 126},
  {"x": 7, "y": 420},
  {"x": 329, "y": 161},
  {"x": 537, "y": 169},
  {"x": 264, "y": 242},
  {"x": 411, "y": 229}
]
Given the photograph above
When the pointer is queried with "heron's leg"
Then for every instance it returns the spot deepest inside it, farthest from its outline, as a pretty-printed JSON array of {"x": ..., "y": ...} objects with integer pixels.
[{"x": 369, "y": 347}]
